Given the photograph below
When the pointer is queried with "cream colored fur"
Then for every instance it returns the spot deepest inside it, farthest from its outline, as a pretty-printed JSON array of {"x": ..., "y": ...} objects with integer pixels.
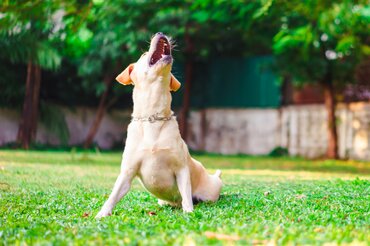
[{"x": 155, "y": 151}]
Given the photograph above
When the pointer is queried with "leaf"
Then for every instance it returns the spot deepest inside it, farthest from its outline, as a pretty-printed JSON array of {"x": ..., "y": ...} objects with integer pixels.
[
  {"x": 282, "y": 41},
  {"x": 151, "y": 213},
  {"x": 263, "y": 10},
  {"x": 346, "y": 44},
  {"x": 365, "y": 49},
  {"x": 47, "y": 57},
  {"x": 77, "y": 44},
  {"x": 365, "y": 13},
  {"x": 201, "y": 16},
  {"x": 300, "y": 38}
]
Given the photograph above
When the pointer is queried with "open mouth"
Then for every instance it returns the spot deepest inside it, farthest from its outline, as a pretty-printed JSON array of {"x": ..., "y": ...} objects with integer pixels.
[{"x": 162, "y": 50}]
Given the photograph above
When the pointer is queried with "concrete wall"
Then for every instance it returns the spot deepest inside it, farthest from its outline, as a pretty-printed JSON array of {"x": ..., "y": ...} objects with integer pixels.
[
  {"x": 232, "y": 131},
  {"x": 112, "y": 130},
  {"x": 304, "y": 130},
  {"x": 301, "y": 129}
]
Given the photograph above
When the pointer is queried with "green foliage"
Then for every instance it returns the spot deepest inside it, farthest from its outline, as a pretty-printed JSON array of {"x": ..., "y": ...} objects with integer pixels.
[
  {"x": 264, "y": 9},
  {"x": 11, "y": 84},
  {"x": 20, "y": 48},
  {"x": 53, "y": 119},
  {"x": 34, "y": 31},
  {"x": 279, "y": 151},
  {"x": 100, "y": 38},
  {"x": 25, "y": 32},
  {"x": 77, "y": 43},
  {"x": 231, "y": 28},
  {"x": 52, "y": 198},
  {"x": 320, "y": 38}
]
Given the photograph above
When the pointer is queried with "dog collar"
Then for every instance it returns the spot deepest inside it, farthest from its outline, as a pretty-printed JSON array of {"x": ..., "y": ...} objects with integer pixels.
[{"x": 153, "y": 118}]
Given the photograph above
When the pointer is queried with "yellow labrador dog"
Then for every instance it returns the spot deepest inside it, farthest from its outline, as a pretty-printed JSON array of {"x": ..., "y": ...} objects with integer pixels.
[{"x": 154, "y": 150}]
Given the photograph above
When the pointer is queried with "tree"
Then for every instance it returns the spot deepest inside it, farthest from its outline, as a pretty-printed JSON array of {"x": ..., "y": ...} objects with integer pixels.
[
  {"x": 321, "y": 42},
  {"x": 29, "y": 34},
  {"x": 24, "y": 40}
]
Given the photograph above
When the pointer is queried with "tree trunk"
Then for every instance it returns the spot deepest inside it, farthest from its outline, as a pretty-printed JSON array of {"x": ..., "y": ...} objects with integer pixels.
[
  {"x": 36, "y": 99},
  {"x": 186, "y": 100},
  {"x": 330, "y": 104},
  {"x": 28, "y": 122},
  {"x": 103, "y": 105},
  {"x": 188, "y": 78}
]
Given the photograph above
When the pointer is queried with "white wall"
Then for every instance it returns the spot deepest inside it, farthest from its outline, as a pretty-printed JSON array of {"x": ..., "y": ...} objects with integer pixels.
[
  {"x": 301, "y": 129},
  {"x": 232, "y": 131},
  {"x": 112, "y": 129}
]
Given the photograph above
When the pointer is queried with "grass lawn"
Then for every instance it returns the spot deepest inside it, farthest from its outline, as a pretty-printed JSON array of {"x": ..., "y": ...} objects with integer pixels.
[{"x": 52, "y": 197}]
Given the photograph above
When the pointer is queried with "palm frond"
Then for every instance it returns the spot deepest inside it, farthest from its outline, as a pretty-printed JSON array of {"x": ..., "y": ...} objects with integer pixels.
[{"x": 24, "y": 47}]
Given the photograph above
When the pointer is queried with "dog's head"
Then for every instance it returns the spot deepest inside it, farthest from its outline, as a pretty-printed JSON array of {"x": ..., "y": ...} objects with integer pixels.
[{"x": 153, "y": 66}]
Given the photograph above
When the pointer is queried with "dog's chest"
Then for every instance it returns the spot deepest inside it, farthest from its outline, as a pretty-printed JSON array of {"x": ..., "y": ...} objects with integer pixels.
[
  {"x": 152, "y": 136},
  {"x": 157, "y": 175},
  {"x": 156, "y": 137}
]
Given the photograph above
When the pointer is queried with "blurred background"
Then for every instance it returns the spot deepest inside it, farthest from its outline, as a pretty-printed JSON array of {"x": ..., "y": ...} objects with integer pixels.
[{"x": 258, "y": 77}]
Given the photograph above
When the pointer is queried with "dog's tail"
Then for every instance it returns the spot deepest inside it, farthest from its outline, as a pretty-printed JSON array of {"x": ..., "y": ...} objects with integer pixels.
[{"x": 218, "y": 173}]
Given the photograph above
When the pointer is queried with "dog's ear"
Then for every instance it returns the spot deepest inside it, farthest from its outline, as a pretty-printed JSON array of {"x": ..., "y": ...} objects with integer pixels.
[
  {"x": 124, "y": 77},
  {"x": 174, "y": 83}
]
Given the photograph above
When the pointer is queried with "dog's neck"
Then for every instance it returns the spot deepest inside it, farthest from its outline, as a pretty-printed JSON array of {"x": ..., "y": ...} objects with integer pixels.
[{"x": 152, "y": 99}]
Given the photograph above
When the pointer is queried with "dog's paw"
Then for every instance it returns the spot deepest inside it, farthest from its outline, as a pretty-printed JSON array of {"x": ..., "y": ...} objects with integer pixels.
[
  {"x": 103, "y": 213},
  {"x": 218, "y": 173},
  {"x": 162, "y": 203},
  {"x": 187, "y": 209}
]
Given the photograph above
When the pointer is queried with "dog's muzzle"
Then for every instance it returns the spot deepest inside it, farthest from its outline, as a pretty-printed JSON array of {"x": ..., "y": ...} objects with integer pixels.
[{"x": 160, "y": 49}]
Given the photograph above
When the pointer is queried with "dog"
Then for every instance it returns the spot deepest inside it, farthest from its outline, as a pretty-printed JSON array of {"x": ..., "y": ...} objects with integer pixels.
[{"x": 154, "y": 150}]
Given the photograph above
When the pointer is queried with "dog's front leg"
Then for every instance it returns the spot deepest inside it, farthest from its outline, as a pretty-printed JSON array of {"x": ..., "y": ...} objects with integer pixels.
[
  {"x": 121, "y": 187},
  {"x": 184, "y": 185}
]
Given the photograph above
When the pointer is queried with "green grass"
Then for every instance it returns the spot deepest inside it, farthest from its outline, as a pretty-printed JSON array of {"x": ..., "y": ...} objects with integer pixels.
[{"x": 52, "y": 197}]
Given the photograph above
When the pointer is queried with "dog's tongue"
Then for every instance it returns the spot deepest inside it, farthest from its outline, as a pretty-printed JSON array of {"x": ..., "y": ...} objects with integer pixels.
[{"x": 161, "y": 50}]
